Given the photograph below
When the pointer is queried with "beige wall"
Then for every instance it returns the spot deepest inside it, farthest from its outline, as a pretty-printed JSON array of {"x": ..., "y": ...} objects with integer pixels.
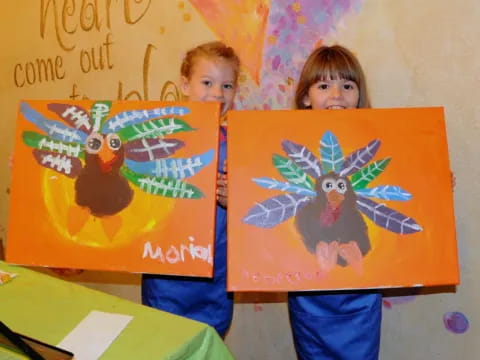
[{"x": 415, "y": 53}]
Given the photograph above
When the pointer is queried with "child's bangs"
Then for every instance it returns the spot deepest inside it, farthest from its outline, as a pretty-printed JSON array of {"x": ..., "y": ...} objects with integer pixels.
[{"x": 336, "y": 68}]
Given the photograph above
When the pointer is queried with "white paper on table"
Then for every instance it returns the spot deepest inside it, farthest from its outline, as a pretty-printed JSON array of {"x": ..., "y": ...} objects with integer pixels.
[{"x": 94, "y": 334}]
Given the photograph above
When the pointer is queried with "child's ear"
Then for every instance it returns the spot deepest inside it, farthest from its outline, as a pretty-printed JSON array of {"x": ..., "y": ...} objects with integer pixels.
[
  {"x": 306, "y": 101},
  {"x": 185, "y": 86}
]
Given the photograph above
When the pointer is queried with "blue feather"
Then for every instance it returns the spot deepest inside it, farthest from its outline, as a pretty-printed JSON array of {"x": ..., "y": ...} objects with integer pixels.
[
  {"x": 331, "y": 153},
  {"x": 54, "y": 129},
  {"x": 269, "y": 183},
  {"x": 385, "y": 192}
]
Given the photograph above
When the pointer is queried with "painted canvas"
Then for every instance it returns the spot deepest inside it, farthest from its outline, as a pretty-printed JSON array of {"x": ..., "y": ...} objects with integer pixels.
[
  {"x": 115, "y": 185},
  {"x": 339, "y": 200}
]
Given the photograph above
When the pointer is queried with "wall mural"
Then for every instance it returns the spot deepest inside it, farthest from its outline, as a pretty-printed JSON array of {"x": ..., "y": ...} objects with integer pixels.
[{"x": 285, "y": 30}]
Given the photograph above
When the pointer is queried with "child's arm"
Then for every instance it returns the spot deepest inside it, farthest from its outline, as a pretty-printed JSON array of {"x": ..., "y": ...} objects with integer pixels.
[{"x": 222, "y": 186}]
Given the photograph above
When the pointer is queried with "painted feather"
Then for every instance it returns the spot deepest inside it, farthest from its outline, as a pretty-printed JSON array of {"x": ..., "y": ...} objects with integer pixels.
[
  {"x": 131, "y": 117},
  {"x": 62, "y": 164},
  {"x": 153, "y": 128},
  {"x": 359, "y": 158},
  {"x": 99, "y": 112},
  {"x": 387, "y": 218},
  {"x": 385, "y": 192},
  {"x": 362, "y": 178},
  {"x": 151, "y": 149},
  {"x": 303, "y": 157},
  {"x": 43, "y": 142},
  {"x": 177, "y": 168},
  {"x": 269, "y": 183},
  {"x": 330, "y": 153},
  {"x": 291, "y": 172},
  {"x": 162, "y": 186},
  {"x": 275, "y": 210},
  {"x": 54, "y": 129},
  {"x": 75, "y": 116}
]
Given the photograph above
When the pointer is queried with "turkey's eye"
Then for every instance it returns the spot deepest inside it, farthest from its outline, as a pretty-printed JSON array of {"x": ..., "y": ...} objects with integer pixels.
[
  {"x": 94, "y": 143},
  {"x": 328, "y": 185},
  {"x": 341, "y": 186},
  {"x": 114, "y": 141}
]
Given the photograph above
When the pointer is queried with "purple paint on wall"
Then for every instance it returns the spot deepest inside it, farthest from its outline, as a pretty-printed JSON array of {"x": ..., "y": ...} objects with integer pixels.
[
  {"x": 456, "y": 322},
  {"x": 294, "y": 29}
]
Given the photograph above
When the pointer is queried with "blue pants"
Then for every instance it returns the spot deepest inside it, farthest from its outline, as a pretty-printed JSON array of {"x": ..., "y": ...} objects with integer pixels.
[
  {"x": 340, "y": 326},
  {"x": 201, "y": 299}
]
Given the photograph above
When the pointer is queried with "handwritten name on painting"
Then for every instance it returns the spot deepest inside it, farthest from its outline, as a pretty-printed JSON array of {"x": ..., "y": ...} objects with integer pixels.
[
  {"x": 287, "y": 277},
  {"x": 178, "y": 254}
]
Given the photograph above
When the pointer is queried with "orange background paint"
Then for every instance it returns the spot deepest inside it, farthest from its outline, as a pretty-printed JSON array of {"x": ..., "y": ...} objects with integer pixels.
[
  {"x": 40, "y": 199},
  {"x": 276, "y": 260}
]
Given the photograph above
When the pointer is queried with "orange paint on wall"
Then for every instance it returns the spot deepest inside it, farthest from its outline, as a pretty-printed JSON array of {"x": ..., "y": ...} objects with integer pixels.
[{"x": 227, "y": 16}]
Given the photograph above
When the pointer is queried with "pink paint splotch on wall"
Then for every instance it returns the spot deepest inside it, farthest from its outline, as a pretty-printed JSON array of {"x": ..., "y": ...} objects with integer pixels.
[
  {"x": 294, "y": 28},
  {"x": 389, "y": 302}
]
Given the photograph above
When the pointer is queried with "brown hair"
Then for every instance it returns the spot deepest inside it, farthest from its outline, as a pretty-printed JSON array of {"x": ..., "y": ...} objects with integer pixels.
[
  {"x": 331, "y": 62},
  {"x": 212, "y": 50}
]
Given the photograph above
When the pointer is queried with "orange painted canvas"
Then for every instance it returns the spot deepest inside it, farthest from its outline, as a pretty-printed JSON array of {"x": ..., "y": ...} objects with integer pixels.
[
  {"x": 115, "y": 185},
  {"x": 339, "y": 200}
]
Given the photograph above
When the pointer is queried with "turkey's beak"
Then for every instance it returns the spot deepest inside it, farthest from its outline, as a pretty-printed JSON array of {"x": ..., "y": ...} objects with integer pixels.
[
  {"x": 335, "y": 199},
  {"x": 106, "y": 157}
]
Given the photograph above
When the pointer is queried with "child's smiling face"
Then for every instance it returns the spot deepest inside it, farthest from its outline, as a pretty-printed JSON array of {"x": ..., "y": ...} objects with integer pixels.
[
  {"x": 332, "y": 94},
  {"x": 211, "y": 79}
]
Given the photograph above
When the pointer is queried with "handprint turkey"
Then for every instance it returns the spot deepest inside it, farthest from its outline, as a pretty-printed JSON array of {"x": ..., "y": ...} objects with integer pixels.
[
  {"x": 327, "y": 199},
  {"x": 106, "y": 155}
]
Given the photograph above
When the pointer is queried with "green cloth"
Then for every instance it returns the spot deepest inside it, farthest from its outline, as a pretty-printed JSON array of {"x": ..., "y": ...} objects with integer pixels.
[{"x": 46, "y": 308}]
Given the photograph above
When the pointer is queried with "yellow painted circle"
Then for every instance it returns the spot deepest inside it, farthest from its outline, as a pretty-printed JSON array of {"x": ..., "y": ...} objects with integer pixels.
[{"x": 145, "y": 213}]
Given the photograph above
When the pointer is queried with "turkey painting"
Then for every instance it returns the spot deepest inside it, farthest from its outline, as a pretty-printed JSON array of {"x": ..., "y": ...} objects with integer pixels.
[
  {"x": 332, "y": 200},
  {"x": 102, "y": 184},
  {"x": 327, "y": 198},
  {"x": 111, "y": 173}
]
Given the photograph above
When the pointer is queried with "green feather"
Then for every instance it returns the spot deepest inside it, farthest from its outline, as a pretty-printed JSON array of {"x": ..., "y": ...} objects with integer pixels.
[
  {"x": 43, "y": 142},
  {"x": 99, "y": 112},
  {"x": 363, "y": 177},
  {"x": 154, "y": 128},
  {"x": 162, "y": 186},
  {"x": 291, "y": 172}
]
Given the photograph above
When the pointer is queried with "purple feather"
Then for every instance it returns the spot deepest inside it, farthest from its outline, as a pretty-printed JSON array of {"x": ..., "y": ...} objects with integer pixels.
[
  {"x": 64, "y": 164},
  {"x": 151, "y": 149},
  {"x": 275, "y": 210},
  {"x": 387, "y": 218},
  {"x": 75, "y": 116},
  {"x": 303, "y": 157},
  {"x": 359, "y": 158}
]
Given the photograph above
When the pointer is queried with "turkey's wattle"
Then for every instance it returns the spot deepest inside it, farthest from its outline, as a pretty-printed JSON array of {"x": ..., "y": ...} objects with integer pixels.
[{"x": 332, "y": 216}]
